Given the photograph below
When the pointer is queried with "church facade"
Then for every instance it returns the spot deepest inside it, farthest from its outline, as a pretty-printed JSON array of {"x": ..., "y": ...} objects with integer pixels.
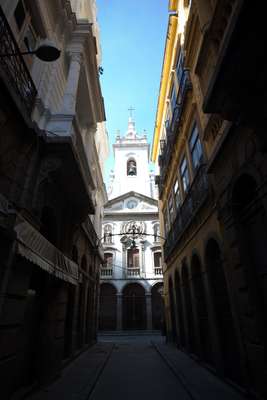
[{"x": 131, "y": 277}]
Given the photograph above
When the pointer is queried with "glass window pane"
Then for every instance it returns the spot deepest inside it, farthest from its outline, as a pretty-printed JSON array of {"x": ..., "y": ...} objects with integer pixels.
[
  {"x": 184, "y": 174},
  {"x": 173, "y": 98},
  {"x": 177, "y": 194},
  {"x": 171, "y": 210},
  {"x": 195, "y": 148}
]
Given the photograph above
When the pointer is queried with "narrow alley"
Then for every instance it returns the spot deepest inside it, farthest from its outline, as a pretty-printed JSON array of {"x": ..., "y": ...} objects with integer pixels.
[
  {"x": 133, "y": 200},
  {"x": 137, "y": 366}
]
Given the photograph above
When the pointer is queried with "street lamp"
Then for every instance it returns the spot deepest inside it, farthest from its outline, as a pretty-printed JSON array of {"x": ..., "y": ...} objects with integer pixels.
[
  {"x": 132, "y": 233},
  {"x": 45, "y": 52}
]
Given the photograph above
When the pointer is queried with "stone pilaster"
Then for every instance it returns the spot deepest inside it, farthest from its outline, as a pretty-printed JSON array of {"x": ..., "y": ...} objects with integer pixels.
[
  {"x": 70, "y": 95},
  {"x": 124, "y": 262},
  {"x": 142, "y": 258}
]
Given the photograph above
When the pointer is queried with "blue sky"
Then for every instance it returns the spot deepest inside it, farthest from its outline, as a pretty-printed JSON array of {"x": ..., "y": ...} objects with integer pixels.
[{"x": 132, "y": 34}]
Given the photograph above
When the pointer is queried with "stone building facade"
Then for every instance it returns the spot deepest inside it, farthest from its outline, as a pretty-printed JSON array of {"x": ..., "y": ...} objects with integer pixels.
[
  {"x": 52, "y": 147},
  {"x": 131, "y": 278},
  {"x": 210, "y": 147}
]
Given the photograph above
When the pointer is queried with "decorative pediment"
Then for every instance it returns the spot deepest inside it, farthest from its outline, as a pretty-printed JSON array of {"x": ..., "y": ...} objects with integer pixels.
[{"x": 132, "y": 202}]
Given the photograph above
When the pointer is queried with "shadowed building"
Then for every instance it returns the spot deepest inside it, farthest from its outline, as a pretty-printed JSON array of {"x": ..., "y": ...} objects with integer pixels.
[
  {"x": 210, "y": 147},
  {"x": 52, "y": 147}
]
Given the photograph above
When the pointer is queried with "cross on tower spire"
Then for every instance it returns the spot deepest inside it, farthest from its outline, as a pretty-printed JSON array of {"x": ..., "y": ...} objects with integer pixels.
[{"x": 131, "y": 109}]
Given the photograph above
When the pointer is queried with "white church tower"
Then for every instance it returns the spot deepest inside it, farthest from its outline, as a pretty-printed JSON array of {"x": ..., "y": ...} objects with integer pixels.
[
  {"x": 131, "y": 168},
  {"x": 131, "y": 278}
]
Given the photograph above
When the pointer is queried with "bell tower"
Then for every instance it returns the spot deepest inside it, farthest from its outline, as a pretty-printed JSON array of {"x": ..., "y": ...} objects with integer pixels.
[{"x": 131, "y": 164}]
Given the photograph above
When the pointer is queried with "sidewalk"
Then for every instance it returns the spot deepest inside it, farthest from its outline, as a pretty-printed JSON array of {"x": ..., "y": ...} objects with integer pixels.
[
  {"x": 199, "y": 381},
  {"x": 79, "y": 378}
]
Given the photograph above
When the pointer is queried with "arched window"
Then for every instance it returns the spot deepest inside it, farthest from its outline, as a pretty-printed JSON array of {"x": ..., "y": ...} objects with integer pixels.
[
  {"x": 108, "y": 234},
  {"x": 156, "y": 232},
  {"x": 131, "y": 167}
]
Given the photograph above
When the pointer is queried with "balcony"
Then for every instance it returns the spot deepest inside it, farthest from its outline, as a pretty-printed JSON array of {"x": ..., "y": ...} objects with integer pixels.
[
  {"x": 14, "y": 71},
  {"x": 133, "y": 272},
  {"x": 106, "y": 272},
  {"x": 158, "y": 270},
  {"x": 167, "y": 146},
  {"x": 194, "y": 200}
]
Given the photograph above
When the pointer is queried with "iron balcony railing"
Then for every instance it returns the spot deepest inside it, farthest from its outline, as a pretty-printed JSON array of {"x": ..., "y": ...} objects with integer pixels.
[
  {"x": 14, "y": 70},
  {"x": 195, "y": 198},
  {"x": 167, "y": 146}
]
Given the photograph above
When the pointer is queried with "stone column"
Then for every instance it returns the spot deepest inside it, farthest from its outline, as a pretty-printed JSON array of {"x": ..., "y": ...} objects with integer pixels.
[
  {"x": 124, "y": 262},
  {"x": 70, "y": 95},
  {"x": 119, "y": 312},
  {"x": 148, "y": 311},
  {"x": 142, "y": 258}
]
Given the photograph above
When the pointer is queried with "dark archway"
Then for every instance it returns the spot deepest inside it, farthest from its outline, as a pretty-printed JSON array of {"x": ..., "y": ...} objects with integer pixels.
[
  {"x": 30, "y": 332},
  {"x": 134, "y": 307},
  {"x": 172, "y": 311},
  {"x": 191, "y": 343},
  {"x": 107, "y": 307},
  {"x": 157, "y": 305},
  {"x": 201, "y": 310},
  {"x": 222, "y": 308},
  {"x": 179, "y": 309},
  {"x": 251, "y": 226}
]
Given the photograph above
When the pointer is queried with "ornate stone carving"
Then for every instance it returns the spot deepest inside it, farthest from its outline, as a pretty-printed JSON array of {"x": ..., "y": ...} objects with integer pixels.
[{"x": 137, "y": 227}]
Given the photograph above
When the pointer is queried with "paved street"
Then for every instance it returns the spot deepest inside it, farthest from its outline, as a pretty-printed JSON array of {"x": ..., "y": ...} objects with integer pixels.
[{"x": 136, "y": 367}]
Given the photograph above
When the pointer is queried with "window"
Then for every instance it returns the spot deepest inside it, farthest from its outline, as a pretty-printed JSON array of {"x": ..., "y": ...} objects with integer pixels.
[
  {"x": 176, "y": 191},
  {"x": 156, "y": 233},
  {"x": 20, "y": 14},
  {"x": 170, "y": 207},
  {"x": 157, "y": 263},
  {"x": 28, "y": 32},
  {"x": 133, "y": 258},
  {"x": 184, "y": 174},
  {"x": 173, "y": 98},
  {"x": 167, "y": 125},
  {"x": 167, "y": 121},
  {"x": 108, "y": 260},
  {"x": 131, "y": 167},
  {"x": 180, "y": 67},
  {"x": 30, "y": 39},
  {"x": 166, "y": 221},
  {"x": 108, "y": 234},
  {"x": 195, "y": 148}
]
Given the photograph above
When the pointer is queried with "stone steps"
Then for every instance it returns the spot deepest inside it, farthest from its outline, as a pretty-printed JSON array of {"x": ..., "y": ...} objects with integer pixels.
[{"x": 130, "y": 333}]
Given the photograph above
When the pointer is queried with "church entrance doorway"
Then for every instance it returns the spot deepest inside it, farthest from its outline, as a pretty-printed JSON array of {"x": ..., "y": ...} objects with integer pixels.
[
  {"x": 108, "y": 307},
  {"x": 134, "y": 307}
]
